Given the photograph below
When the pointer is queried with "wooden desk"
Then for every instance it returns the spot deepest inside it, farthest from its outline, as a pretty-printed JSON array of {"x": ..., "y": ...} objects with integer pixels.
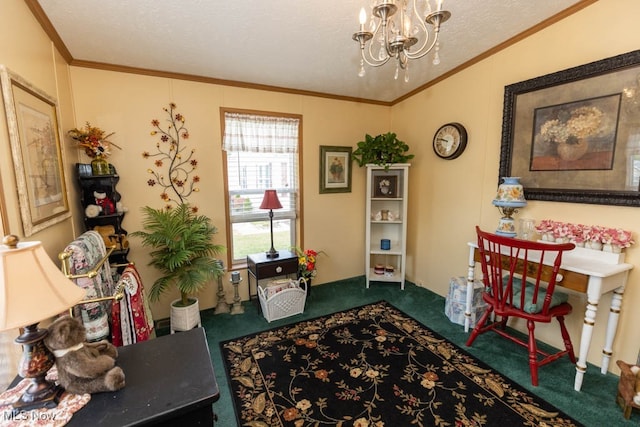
[
  {"x": 169, "y": 381},
  {"x": 582, "y": 273}
]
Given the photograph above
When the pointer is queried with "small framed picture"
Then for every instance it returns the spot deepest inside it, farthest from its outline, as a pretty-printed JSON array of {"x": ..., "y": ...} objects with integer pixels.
[
  {"x": 335, "y": 169},
  {"x": 385, "y": 186}
]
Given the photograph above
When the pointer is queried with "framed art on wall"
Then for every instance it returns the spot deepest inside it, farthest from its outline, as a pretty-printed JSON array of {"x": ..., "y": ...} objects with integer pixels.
[
  {"x": 335, "y": 169},
  {"x": 32, "y": 120},
  {"x": 574, "y": 135}
]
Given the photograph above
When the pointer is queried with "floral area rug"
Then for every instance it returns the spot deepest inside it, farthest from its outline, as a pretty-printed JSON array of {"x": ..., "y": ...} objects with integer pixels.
[{"x": 371, "y": 366}]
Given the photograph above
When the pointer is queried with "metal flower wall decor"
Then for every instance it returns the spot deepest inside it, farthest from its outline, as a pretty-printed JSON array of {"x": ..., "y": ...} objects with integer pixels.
[{"x": 171, "y": 152}]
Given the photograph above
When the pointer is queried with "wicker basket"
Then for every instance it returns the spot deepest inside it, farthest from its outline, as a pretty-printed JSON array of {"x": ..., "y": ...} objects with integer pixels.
[{"x": 282, "y": 299}]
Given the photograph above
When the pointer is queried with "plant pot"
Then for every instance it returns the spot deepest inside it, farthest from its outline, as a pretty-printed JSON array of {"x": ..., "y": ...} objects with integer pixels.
[{"x": 185, "y": 318}]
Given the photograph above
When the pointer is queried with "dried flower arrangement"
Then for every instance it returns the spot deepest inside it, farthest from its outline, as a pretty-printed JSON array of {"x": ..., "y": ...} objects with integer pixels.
[{"x": 93, "y": 140}]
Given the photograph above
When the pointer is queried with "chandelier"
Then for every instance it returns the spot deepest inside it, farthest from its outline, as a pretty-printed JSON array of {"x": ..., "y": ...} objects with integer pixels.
[{"x": 395, "y": 35}]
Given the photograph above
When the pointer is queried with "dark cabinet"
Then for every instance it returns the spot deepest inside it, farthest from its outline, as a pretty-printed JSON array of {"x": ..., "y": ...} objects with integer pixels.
[
  {"x": 101, "y": 208},
  {"x": 261, "y": 267}
]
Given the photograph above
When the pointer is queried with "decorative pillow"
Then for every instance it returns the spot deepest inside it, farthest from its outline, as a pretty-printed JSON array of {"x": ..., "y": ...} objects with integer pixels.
[{"x": 556, "y": 299}]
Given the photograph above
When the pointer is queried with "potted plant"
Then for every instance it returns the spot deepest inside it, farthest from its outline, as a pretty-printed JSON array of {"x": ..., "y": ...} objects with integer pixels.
[
  {"x": 382, "y": 150},
  {"x": 183, "y": 250},
  {"x": 181, "y": 240}
]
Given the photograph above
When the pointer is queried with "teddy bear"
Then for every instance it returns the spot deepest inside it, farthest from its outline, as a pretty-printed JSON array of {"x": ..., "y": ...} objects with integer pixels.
[
  {"x": 107, "y": 205},
  {"x": 83, "y": 367}
]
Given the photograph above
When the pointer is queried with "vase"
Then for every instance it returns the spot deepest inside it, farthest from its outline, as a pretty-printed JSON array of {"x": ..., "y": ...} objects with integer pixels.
[
  {"x": 610, "y": 247},
  {"x": 596, "y": 246},
  {"x": 572, "y": 152},
  {"x": 100, "y": 166}
]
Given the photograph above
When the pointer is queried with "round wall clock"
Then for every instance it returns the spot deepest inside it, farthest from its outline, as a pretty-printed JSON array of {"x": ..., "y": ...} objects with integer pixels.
[{"x": 450, "y": 141}]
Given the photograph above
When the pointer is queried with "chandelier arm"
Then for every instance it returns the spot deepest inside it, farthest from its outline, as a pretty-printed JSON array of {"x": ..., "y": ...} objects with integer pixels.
[
  {"x": 436, "y": 19},
  {"x": 421, "y": 22},
  {"x": 372, "y": 62},
  {"x": 422, "y": 29},
  {"x": 385, "y": 40},
  {"x": 420, "y": 53}
]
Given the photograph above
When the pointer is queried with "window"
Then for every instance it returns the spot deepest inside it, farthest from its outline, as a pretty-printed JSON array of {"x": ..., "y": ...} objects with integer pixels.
[{"x": 261, "y": 152}]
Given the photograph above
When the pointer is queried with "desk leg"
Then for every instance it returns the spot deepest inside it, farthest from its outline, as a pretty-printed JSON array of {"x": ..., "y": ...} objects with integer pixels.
[
  {"x": 612, "y": 325},
  {"x": 470, "y": 283},
  {"x": 585, "y": 342}
]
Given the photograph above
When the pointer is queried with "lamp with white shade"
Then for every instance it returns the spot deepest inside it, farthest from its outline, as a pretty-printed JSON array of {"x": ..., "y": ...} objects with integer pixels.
[{"x": 32, "y": 289}]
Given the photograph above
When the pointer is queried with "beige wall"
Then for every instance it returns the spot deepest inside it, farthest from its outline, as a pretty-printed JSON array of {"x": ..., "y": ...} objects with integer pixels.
[
  {"x": 26, "y": 50},
  {"x": 447, "y": 198},
  {"x": 127, "y": 103}
]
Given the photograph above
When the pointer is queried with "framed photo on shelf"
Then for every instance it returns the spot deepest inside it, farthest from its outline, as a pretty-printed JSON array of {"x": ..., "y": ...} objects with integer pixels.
[
  {"x": 335, "y": 169},
  {"x": 571, "y": 136},
  {"x": 34, "y": 134},
  {"x": 385, "y": 186}
]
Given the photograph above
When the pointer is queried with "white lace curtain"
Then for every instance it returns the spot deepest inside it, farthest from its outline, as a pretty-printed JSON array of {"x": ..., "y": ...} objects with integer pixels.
[{"x": 260, "y": 134}]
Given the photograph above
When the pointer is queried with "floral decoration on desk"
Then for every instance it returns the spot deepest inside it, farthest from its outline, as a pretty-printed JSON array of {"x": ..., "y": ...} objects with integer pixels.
[{"x": 595, "y": 237}]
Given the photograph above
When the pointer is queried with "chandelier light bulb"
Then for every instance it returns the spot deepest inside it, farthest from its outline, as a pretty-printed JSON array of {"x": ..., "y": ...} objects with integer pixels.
[{"x": 363, "y": 17}]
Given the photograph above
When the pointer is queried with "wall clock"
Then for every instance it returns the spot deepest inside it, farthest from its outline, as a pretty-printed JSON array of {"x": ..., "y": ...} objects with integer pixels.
[{"x": 450, "y": 141}]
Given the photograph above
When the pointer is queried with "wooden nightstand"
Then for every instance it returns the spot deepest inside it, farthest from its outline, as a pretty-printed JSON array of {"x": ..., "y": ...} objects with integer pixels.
[{"x": 260, "y": 267}]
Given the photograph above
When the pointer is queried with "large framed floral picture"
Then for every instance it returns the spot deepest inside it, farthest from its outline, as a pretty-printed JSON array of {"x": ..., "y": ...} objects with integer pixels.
[{"x": 574, "y": 135}]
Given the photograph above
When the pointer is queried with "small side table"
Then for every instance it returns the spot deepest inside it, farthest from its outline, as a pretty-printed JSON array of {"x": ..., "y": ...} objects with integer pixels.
[{"x": 260, "y": 267}]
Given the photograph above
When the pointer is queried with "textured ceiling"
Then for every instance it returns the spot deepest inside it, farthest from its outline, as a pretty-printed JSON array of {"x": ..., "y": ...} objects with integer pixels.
[{"x": 291, "y": 44}]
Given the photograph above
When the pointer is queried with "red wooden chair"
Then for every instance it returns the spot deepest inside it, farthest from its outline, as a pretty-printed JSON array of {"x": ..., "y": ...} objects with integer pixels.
[{"x": 518, "y": 285}]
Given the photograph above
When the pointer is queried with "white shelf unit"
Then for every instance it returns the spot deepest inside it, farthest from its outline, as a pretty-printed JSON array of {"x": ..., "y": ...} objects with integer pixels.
[{"x": 390, "y": 203}]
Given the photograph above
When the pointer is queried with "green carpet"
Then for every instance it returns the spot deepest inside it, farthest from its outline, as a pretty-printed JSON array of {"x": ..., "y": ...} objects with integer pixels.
[{"x": 593, "y": 406}]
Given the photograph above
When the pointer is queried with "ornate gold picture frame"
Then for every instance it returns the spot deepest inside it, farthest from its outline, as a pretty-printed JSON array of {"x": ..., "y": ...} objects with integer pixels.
[{"x": 34, "y": 133}]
